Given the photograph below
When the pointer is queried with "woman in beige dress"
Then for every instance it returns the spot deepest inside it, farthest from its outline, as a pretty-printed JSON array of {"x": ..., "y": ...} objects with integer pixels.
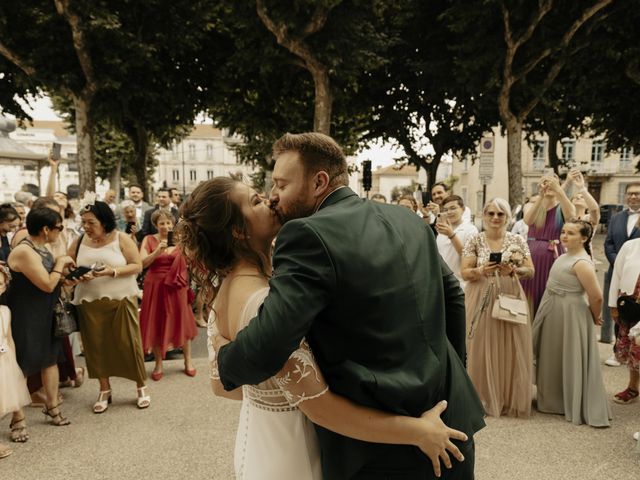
[
  {"x": 499, "y": 353},
  {"x": 107, "y": 303}
]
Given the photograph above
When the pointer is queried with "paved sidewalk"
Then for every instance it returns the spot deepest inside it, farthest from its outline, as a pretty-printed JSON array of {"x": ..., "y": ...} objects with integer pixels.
[{"x": 187, "y": 433}]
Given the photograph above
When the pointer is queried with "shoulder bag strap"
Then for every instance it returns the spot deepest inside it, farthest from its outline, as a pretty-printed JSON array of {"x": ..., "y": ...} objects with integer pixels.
[{"x": 78, "y": 245}]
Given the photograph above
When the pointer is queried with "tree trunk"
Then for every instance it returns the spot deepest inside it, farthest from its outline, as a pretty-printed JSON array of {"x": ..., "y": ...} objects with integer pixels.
[
  {"x": 114, "y": 178},
  {"x": 84, "y": 142},
  {"x": 554, "y": 160},
  {"x": 514, "y": 161},
  {"x": 141, "y": 145},
  {"x": 323, "y": 101}
]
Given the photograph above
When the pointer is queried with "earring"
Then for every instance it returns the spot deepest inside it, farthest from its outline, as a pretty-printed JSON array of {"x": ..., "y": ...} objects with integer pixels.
[{"x": 46, "y": 237}]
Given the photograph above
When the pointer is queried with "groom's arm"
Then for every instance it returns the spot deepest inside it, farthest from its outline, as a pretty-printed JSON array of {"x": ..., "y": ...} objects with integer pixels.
[{"x": 304, "y": 276}]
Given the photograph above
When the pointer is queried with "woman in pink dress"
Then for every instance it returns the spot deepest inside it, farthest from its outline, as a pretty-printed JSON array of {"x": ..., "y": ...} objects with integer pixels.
[
  {"x": 545, "y": 219},
  {"x": 166, "y": 318}
]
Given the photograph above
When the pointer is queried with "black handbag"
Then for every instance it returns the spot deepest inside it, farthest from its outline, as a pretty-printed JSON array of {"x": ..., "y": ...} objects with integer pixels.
[
  {"x": 65, "y": 318},
  {"x": 629, "y": 307}
]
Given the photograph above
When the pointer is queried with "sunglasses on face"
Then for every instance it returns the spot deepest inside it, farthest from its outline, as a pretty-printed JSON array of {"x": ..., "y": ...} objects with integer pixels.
[
  {"x": 58, "y": 227},
  {"x": 495, "y": 214}
]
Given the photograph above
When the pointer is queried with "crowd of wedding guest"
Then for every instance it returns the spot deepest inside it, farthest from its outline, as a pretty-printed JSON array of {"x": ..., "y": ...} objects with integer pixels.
[
  {"x": 132, "y": 301},
  {"x": 533, "y": 300}
]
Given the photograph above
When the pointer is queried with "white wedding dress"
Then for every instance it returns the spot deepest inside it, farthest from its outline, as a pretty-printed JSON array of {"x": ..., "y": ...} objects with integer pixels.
[{"x": 275, "y": 440}]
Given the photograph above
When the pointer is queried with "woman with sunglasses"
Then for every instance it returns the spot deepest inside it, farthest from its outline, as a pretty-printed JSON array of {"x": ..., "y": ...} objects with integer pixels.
[
  {"x": 499, "y": 353},
  {"x": 31, "y": 297}
]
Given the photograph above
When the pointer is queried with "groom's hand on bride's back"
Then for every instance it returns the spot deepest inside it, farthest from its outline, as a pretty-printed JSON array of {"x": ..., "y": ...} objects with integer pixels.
[{"x": 435, "y": 438}]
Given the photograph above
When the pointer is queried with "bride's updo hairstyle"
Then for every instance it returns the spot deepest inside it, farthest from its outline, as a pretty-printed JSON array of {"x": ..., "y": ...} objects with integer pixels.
[{"x": 212, "y": 233}]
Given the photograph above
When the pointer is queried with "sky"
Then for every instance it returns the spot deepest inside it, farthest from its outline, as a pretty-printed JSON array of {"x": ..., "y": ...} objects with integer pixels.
[{"x": 381, "y": 155}]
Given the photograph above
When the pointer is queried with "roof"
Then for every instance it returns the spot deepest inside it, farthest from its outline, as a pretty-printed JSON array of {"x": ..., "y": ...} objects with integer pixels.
[
  {"x": 205, "y": 131},
  {"x": 397, "y": 170},
  {"x": 10, "y": 149}
]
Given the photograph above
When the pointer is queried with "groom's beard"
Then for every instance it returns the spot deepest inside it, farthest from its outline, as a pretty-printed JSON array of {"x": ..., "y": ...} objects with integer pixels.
[{"x": 296, "y": 211}]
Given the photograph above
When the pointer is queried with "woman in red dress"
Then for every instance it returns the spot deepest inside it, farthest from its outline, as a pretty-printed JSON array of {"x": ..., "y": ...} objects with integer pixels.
[{"x": 166, "y": 318}]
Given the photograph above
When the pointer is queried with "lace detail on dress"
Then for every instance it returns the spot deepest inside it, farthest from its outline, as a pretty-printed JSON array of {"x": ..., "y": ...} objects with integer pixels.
[
  {"x": 212, "y": 331},
  {"x": 300, "y": 379},
  {"x": 476, "y": 246}
]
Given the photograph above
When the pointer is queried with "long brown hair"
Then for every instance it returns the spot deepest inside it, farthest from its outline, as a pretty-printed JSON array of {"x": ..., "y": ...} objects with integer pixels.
[{"x": 212, "y": 234}]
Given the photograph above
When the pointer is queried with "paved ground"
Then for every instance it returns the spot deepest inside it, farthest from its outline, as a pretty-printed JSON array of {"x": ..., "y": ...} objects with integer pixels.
[{"x": 187, "y": 433}]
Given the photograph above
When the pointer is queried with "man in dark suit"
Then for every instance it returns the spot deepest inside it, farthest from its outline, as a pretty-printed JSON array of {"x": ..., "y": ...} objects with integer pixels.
[
  {"x": 364, "y": 283},
  {"x": 622, "y": 227},
  {"x": 163, "y": 200}
]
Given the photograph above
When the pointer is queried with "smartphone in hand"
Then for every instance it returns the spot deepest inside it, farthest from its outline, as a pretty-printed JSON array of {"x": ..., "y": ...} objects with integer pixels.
[
  {"x": 55, "y": 151},
  {"x": 495, "y": 257},
  {"x": 77, "y": 273},
  {"x": 170, "y": 239}
]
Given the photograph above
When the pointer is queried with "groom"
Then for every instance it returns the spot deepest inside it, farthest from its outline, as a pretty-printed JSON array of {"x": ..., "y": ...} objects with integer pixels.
[{"x": 364, "y": 282}]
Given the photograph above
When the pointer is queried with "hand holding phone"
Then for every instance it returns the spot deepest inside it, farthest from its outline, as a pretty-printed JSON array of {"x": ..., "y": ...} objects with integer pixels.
[
  {"x": 55, "y": 151},
  {"x": 77, "y": 273},
  {"x": 170, "y": 239}
]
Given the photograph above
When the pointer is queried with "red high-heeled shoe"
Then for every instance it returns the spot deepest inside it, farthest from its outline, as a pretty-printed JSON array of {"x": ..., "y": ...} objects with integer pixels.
[
  {"x": 157, "y": 376},
  {"x": 190, "y": 373}
]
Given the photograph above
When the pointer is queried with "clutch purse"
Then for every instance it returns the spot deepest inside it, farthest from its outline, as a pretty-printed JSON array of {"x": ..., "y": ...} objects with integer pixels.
[
  {"x": 510, "y": 308},
  {"x": 65, "y": 319}
]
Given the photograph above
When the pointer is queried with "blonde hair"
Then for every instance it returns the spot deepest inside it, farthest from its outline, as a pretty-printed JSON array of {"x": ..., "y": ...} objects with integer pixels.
[
  {"x": 502, "y": 205},
  {"x": 162, "y": 213}
]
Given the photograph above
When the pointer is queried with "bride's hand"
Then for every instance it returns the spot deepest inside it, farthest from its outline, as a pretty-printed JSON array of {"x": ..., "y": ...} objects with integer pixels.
[{"x": 435, "y": 438}]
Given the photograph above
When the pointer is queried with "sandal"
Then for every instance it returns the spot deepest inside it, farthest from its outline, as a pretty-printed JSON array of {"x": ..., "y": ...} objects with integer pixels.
[
  {"x": 626, "y": 396},
  {"x": 5, "y": 451},
  {"x": 19, "y": 430},
  {"x": 56, "y": 417},
  {"x": 143, "y": 400},
  {"x": 104, "y": 399}
]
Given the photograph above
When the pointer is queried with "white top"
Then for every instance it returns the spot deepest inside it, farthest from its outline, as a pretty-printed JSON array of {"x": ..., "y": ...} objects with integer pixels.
[
  {"x": 104, "y": 287},
  {"x": 625, "y": 270},
  {"x": 632, "y": 220},
  {"x": 520, "y": 228},
  {"x": 448, "y": 252},
  {"x": 466, "y": 216}
]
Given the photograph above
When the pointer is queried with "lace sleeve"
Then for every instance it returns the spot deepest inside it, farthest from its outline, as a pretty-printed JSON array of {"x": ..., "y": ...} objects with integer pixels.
[
  {"x": 524, "y": 245},
  {"x": 469, "y": 249},
  {"x": 634, "y": 331},
  {"x": 212, "y": 331},
  {"x": 300, "y": 379}
]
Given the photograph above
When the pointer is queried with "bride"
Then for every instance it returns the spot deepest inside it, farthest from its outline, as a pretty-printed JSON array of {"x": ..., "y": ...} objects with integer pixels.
[{"x": 226, "y": 231}]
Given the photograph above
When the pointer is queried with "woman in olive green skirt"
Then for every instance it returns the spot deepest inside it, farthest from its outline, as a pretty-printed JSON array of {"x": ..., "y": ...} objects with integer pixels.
[{"x": 106, "y": 300}]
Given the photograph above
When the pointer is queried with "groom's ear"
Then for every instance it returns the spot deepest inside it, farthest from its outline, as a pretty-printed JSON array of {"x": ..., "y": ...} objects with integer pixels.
[{"x": 321, "y": 183}]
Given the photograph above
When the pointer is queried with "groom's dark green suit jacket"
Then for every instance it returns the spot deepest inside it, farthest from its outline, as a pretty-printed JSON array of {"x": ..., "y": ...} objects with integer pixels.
[{"x": 383, "y": 314}]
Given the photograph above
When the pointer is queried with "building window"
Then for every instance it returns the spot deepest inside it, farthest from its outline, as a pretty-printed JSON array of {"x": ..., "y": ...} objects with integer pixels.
[
  {"x": 209, "y": 174},
  {"x": 465, "y": 165},
  {"x": 568, "y": 151},
  {"x": 597, "y": 153},
  {"x": 626, "y": 157},
  {"x": 175, "y": 175},
  {"x": 622, "y": 187},
  {"x": 539, "y": 155},
  {"x": 192, "y": 175},
  {"x": 209, "y": 151},
  {"x": 192, "y": 151},
  {"x": 534, "y": 188},
  {"x": 464, "y": 194}
]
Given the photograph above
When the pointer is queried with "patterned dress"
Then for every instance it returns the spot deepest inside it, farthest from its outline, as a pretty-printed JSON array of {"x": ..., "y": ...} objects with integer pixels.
[{"x": 499, "y": 353}]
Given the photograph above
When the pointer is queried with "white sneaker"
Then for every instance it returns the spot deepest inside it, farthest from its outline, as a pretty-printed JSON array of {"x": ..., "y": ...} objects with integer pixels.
[
  {"x": 612, "y": 362},
  {"x": 636, "y": 435}
]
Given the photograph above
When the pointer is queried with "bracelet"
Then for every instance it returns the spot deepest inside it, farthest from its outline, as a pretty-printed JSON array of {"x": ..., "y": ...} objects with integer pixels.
[
  {"x": 454, "y": 234},
  {"x": 115, "y": 273},
  {"x": 56, "y": 271}
]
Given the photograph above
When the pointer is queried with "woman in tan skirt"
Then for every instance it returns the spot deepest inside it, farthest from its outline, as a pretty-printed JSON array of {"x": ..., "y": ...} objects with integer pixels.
[
  {"x": 108, "y": 305},
  {"x": 499, "y": 353}
]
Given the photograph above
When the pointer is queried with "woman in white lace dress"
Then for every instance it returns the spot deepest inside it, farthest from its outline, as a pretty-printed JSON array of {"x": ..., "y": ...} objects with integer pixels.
[{"x": 226, "y": 231}]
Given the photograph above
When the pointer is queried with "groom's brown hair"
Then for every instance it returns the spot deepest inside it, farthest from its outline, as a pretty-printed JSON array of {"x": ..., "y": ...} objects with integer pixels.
[{"x": 317, "y": 152}]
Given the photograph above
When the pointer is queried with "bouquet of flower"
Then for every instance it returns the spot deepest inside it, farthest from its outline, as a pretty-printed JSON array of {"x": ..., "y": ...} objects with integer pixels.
[{"x": 513, "y": 255}]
